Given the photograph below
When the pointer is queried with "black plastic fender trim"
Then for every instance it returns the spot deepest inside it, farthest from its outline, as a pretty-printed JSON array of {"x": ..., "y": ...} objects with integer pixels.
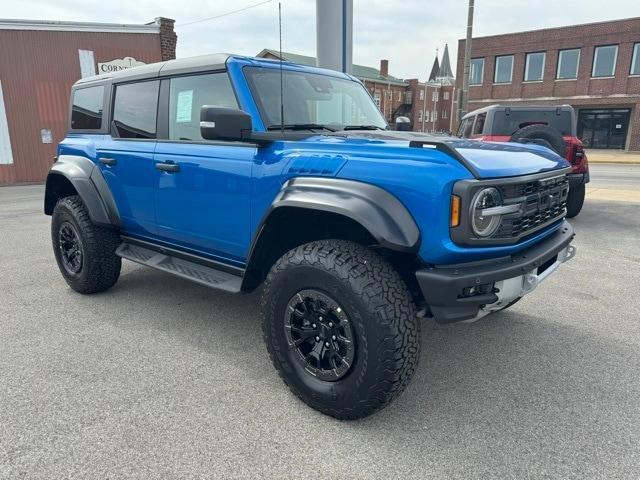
[{"x": 379, "y": 212}]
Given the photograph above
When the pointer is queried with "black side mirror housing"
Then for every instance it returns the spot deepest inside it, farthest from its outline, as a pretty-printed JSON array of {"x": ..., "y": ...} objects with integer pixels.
[{"x": 229, "y": 124}]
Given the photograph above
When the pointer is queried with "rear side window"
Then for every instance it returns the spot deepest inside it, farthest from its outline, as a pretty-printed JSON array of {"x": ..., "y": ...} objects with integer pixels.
[
  {"x": 188, "y": 94},
  {"x": 479, "y": 125},
  {"x": 134, "y": 110},
  {"x": 86, "y": 109},
  {"x": 507, "y": 124}
]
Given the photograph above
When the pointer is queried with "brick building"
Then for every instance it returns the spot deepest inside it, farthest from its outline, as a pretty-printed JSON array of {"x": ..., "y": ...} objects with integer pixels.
[
  {"x": 593, "y": 67},
  {"x": 40, "y": 60},
  {"x": 428, "y": 105}
]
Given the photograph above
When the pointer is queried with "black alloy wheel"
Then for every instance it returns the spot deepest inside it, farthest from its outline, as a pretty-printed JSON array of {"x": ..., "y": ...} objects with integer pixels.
[
  {"x": 319, "y": 331},
  {"x": 71, "y": 249}
]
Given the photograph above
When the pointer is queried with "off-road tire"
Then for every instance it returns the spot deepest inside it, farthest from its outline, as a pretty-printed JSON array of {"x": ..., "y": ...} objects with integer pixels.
[
  {"x": 100, "y": 265},
  {"x": 542, "y": 135},
  {"x": 575, "y": 200},
  {"x": 383, "y": 318}
]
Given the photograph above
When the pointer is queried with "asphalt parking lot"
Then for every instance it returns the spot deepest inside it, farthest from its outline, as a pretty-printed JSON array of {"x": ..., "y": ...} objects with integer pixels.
[{"x": 160, "y": 378}]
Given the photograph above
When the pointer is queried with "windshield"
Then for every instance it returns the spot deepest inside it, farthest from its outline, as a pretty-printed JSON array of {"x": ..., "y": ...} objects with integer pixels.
[{"x": 312, "y": 100}]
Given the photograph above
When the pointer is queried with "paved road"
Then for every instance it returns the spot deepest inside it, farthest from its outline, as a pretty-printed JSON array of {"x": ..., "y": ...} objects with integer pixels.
[
  {"x": 615, "y": 176},
  {"x": 159, "y": 378}
]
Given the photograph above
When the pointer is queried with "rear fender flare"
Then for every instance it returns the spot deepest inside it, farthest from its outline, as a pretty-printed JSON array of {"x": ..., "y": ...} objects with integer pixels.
[{"x": 91, "y": 186}]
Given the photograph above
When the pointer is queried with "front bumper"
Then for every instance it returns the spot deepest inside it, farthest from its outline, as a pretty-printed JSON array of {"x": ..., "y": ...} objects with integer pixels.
[
  {"x": 471, "y": 290},
  {"x": 577, "y": 179}
]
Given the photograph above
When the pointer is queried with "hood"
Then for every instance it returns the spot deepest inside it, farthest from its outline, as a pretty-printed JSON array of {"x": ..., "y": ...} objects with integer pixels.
[{"x": 483, "y": 159}]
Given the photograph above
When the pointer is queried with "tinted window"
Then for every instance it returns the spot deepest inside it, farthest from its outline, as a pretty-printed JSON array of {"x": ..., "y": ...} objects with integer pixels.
[
  {"x": 504, "y": 69},
  {"x": 188, "y": 94},
  {"x": 604, "y": 61},
  {"x": 134, "y": 110},
  {"x": 479, "y": 125},
  {"x": 534, "y": 67},
  {"x": 635, "y": 60},
  {"x": 86, "y": 110},
  {"x": 477, "y": 71},
  {"x": 465, "y": 127},
  {"x": 568, "y": 61},
  {"x": 507, "y": 124}
]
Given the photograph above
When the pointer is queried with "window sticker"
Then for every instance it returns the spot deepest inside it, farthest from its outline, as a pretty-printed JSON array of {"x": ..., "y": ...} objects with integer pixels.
[{"x": 184, "y": 106}]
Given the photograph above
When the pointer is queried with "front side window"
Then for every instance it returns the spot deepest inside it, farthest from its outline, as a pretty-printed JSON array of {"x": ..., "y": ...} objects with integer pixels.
[
  {"x": 635, "y": 60},
  {"x": 568, "y": 61},
  {"x": 312, "y": 99},
  {"x": 504, "y": 69},
  {"x": 188, "y": 94},
  {"x": 477, "y": 71},
  {"x": 604, "y": 61},
  {"x": 534, "y": 67},
  {"x": 134, "y": 110},
  {"x": 86, "y": 109}
]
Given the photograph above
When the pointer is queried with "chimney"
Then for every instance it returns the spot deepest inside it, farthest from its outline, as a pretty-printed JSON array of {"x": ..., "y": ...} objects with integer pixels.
[
  {"x": 168, "y": 38},
  {"x": 384, "y": 68}
]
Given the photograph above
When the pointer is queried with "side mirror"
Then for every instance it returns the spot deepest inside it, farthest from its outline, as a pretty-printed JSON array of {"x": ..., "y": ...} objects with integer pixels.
[{"x": 217, "y": 123}]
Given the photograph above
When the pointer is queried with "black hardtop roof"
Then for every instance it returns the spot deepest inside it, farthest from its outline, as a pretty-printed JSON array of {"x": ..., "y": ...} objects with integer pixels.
[
  {"x": 518, "y": 108},
  {"x": 213, "y": 61}
]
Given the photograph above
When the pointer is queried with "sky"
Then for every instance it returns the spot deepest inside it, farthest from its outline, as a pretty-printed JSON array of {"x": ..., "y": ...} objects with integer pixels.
[{"x": 406, "y": 32}]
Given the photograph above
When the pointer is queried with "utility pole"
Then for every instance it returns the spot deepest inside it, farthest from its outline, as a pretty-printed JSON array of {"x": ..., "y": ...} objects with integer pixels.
[{"x": 463, "y": 95}]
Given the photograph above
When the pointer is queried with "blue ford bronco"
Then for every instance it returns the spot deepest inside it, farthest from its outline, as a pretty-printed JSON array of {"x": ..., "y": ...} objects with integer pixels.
[{"x": 240, "y": 173}]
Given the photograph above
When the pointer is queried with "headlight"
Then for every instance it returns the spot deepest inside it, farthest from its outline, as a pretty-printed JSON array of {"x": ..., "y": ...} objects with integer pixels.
[{"x": 485, "y": 222}]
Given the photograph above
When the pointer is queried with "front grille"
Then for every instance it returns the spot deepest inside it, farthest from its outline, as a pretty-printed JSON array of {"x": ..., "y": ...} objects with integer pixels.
[{"x": 542, "y": 201}]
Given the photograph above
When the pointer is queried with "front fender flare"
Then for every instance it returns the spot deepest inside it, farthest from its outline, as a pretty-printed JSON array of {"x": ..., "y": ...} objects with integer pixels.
[{"x": 379, "y": 212}]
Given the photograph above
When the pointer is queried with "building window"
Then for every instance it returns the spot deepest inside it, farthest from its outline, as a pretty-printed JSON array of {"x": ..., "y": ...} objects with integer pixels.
[
  {"x": 134, "y": 110},
  {"x": 445, "y": 95},
  {"x": 434, "y": 96},
  {"x": 444, "y": 114},
  {"x": 399, "y": 96},
  {"x": 534, "y": 67},
  {"x": 477, "y": 71},
  {"x": 604, "y": 61},
  {"x": 568, "y": 61},
  {"x": 434, "y": 116},
  {"x": 376, "y": 99},
  {"x": 504, "y": 69},
  {"x": 421, "y": 94},
  {"x": 86, "y": 110},
  {"x": 390, "y": 94},
  {"x": 419, "y": 115},
  {"x": 635, "y": 60},
  {"x": 426, "y": 116},
  {"x": 188, "y": 94}
]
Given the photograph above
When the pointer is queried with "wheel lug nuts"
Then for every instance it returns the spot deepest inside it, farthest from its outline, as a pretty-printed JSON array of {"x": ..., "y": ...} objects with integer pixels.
[
  {"x": 320, "y": 318},
  {"x": 313, "y": 325},
  {"x": 333, "y": 337},
  {"x": 326, "y": 344},
  {"x": 330, "y": 324},
  {"x": 317, "y": 339}
]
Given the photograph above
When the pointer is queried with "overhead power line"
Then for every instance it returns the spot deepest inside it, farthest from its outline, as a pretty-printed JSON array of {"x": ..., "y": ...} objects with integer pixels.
[{"x": 223, "y": 14}]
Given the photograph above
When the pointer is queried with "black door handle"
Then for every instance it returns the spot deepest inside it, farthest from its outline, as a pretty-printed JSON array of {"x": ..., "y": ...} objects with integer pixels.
[
  {"x": 168, "y": 167},
  {"x": 108, "y": 161}
]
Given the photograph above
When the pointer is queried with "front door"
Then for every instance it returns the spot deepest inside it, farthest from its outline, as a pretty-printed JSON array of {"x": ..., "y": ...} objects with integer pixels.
[
  {"x": 202, "y": 188},
  {"x": 125, "y": 156},
  {"x": 604, "y": 128}
]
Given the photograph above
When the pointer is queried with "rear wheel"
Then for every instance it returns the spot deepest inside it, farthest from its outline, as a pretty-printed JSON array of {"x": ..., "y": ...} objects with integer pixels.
[
  {"x": 85, "y": 252},
  {"x": 340, "y": 327},
  {"x": 575, "y": 200}
]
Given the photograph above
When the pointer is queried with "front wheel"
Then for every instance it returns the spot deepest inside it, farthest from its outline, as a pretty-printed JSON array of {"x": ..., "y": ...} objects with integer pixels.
[
  {"x": 575, "y": 200},
  {"x": 340, "y": 327}
]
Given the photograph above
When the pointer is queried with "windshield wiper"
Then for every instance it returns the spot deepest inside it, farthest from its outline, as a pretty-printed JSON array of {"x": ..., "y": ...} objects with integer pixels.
[
  {"x": 363, "y": 127},
  {"x": 301, "y": 126}
]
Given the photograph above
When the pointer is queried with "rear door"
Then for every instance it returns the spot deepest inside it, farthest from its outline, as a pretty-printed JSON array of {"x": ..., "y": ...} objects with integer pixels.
[
  {"x": 202, "y": 187},
  {"x": 125, "y": 156}
]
